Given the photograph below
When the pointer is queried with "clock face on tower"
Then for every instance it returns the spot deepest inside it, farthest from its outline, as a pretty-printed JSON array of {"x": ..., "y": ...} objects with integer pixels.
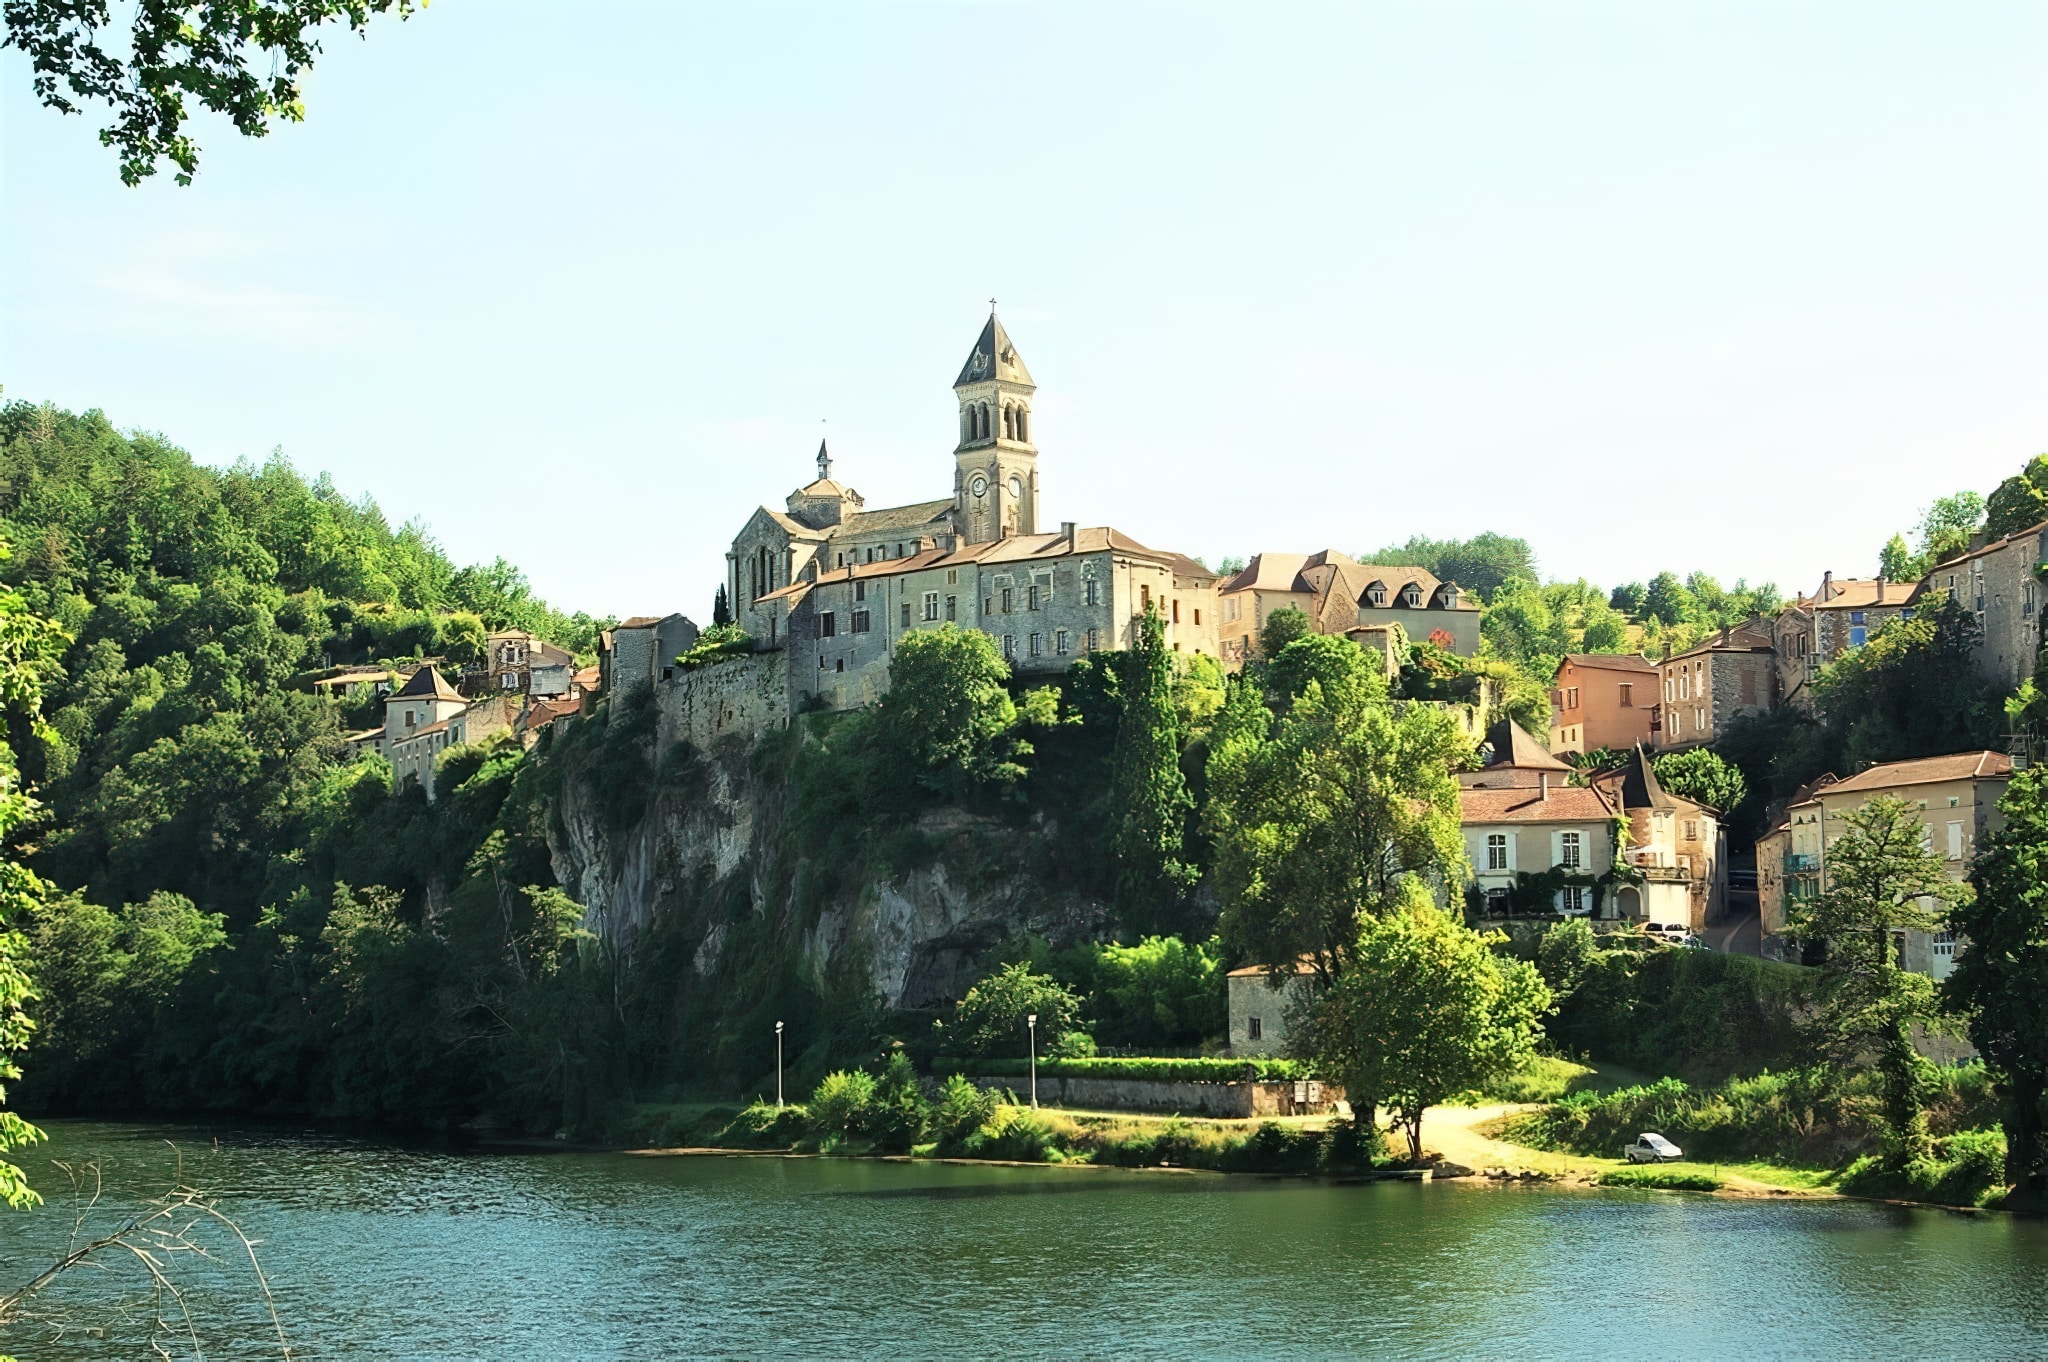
[
  {"x": 978, "y": 485},
  {"x": 1017, "y": 487}
]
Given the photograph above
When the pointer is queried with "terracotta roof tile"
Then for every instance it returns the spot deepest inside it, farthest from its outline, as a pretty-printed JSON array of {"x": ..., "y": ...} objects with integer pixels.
[
  {"x": 1613, "y": 662},
  {"x": 1927, "y": 771},
  {"x": 1565, "y": 804}
]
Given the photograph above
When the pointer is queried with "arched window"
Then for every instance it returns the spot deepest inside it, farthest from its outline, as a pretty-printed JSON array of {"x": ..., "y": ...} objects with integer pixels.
[
  {"x": 1009, "y": 423},
  {"x": 984, "y": 420},
  {"x": 1023, "y": 424},
  {"x": 966, "y": 424}
]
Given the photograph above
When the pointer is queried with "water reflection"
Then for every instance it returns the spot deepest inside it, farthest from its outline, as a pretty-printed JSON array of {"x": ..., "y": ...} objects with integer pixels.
[{"x": 392, "y": 1252}]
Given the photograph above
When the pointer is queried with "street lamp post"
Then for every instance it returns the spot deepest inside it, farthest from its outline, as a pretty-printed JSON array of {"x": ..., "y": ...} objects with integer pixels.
[
  {"x": 1031, "y": 1028},
  {"x": 778, "y": 1066}
]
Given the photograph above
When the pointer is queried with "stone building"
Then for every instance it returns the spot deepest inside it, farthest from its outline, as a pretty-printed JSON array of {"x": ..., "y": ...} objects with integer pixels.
[
  {"x": 426, "y": 717},
  {"x": 1602, "y": 700},
  {"x": 1815, "y": 630},
  {"x": 517, "y": 662},
  {"x": 832, "y": 586},
  {"x": 1342, "y": 596},
  {"x": 1677, "y": 849},
  {"x": 1956, "y": 797},
  {"x": 1260, "y": 1006},
  {"x": 2001, "y": 584},
  {"x": 1705, "y": 688},
  {"x": 643, "y": 650}
]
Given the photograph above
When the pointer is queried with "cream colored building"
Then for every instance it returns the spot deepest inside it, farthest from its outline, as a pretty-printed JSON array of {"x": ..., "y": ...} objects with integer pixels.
[
  {"x": 1342, "y": 596},
  {"x": 426, "y": 717},
  {"x": 1956, "y": 798}
]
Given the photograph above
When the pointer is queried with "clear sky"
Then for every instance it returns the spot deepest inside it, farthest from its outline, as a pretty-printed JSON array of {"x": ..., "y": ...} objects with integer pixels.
[{"x": 1733, "y": 287}]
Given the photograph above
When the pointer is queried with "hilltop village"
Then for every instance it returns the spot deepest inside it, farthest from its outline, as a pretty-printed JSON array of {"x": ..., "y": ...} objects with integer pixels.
[{"x": 820, "y": 591}]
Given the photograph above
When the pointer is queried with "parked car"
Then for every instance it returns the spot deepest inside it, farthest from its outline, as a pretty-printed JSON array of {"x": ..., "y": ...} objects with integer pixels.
[
  {"x": 1650, "y": 1147},
  {"x": 1670, "y": 933}
]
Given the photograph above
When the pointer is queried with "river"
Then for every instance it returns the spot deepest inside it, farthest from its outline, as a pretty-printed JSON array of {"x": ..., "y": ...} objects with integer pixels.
[{"x": 377, "y": 1252}]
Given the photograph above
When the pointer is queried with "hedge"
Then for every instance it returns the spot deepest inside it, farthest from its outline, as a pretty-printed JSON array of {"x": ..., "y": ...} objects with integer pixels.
[{"x": 1152, "y": 1070}]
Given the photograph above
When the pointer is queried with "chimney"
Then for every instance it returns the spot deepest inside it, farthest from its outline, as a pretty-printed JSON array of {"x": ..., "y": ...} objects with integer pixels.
[
  {"x": 1667, "y": 650},
  {"x": 1543, "y": 784},
  {"x": 1724, "y": 636},
  {"x": 1827, "y": 587},
  {"x": 1067, "y": 533}
]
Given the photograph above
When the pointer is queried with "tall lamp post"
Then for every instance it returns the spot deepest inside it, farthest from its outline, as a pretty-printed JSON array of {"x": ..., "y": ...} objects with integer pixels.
[
  {"x": 778, "y": 1066},
  {"x": 1031, "y": 1029}
]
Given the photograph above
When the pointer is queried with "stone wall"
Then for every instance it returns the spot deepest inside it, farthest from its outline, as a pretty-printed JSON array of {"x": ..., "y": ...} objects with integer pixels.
[
  {"x": 745, "y": 697},
  {"x": 1230, "y": 1101}
]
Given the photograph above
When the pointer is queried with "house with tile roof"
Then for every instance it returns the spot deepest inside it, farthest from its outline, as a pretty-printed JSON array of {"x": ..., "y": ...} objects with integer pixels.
[
  {"x": 1343, "y": 596},
  {"x": 1548, "y": 831},
  {"x": 1705, "y": 688},
  {"x": 1602, "y": 700},
  {"x": 2001, "y": 584},
  {"x": 1956, "y": 798},
  {"x": 1676, "y": 852},
  {"x": 427, "y": 716},
  {"x": 1812, "y": 631}
]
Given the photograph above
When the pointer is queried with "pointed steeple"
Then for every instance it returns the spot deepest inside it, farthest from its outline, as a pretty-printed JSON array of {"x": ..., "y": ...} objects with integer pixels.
[
  {"x": 824, "y": 462},
  {"x": 993, "y": 357}
]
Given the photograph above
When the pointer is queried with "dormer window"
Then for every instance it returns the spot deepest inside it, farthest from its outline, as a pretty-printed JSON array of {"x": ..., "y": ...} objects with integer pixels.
[
  {"x": 1411, "y": 597},
  {"x": 1450, "y": 598},
  {"x": 1376, "y": 596}
]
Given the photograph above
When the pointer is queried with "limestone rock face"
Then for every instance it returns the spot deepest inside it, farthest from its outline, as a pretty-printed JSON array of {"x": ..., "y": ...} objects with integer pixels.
[{"x": 710, "y": 854}]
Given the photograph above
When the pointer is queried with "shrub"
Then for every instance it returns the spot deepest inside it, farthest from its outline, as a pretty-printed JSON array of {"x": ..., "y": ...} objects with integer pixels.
[
  {"x": 1155, "y": 1070},
  {"x": 719, "y": 643},
  {"x": 897, "y": 1116},
  {"x": 990, "y": 1019},
  {"x": 765, "y": 1126},
  {"x": 962, "y": 1109},
  {"x": 842, "y": 1103},
  {"x": 1965, "y": 1169},
  {"x": 1666, "y": 1179}
]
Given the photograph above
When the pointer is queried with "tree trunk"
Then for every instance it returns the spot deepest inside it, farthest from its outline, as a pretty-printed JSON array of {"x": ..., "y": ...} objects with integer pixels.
[{"x": 2026, "y": 1151}]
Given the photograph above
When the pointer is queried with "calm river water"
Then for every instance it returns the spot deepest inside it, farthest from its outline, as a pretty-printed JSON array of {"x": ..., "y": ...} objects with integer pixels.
[{"x": 381, "y": 1252}]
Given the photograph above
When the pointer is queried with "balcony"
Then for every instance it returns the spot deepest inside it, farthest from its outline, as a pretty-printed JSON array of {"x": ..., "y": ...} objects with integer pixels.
[{"x": 1801, "y": 862}]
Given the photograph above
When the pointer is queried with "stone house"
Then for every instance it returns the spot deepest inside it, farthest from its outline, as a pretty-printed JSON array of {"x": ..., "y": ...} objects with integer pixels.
[
  {"x": 1602, "y": 700},
  {"x": 1703, "y": 689},
  {"x": 643, "y": 649},
  {"x": 1260, "y": 1007},
  {"x": 1787, "y": 863},
  {"x": 1815, "y": 630},
  {"x": 1956, "y": 797},
  {"x": 1678, "y": 848},
  {"x": 1044, "y": 600},
  {"x": 2000, "y": 582},
  {"x": 426, "y": 717},
  {"x": 1342, "y": 596},
  {"x": 517, "y": 662}
]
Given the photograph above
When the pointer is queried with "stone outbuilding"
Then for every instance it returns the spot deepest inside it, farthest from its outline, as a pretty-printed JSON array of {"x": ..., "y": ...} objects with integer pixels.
[{"x": 1260, "y": 1006}]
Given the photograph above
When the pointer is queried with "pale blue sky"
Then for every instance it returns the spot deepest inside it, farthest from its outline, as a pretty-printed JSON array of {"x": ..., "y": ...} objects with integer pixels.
[{"x": 1721, "y": 286}]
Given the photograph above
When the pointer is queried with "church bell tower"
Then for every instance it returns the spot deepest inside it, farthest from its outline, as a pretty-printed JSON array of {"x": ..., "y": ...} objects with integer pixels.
[{"x": 995, "y": 474}]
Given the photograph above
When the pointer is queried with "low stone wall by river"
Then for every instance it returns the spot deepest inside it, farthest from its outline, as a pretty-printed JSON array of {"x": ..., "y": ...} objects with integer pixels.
[{"x": 1227, "y": 1100}]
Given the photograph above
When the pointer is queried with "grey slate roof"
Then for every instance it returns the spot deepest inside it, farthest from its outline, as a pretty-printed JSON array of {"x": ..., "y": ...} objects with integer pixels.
[{"x": 993, "y": 357}]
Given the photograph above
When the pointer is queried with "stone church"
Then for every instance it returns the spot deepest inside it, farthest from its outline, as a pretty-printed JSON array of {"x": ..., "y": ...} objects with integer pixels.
[{"x": 834, "y": 584}]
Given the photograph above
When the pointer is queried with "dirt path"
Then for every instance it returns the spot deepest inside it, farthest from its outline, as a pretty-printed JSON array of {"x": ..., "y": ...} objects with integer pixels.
[{"x": 1457, "y": 1133}]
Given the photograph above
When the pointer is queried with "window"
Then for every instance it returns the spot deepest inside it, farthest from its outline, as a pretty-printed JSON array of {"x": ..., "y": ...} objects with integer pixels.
[
  {"x": 1569, "y": 848},
  {"x": 509, "y": 681},
  {"x": 1944, "y": 946},
  {"x": 1411, "y": 596},
  {"x": 1252, "y": 1029},
  {"x": 1006, "y": 600},
  {"x": 1496, "y": 851},
  {"x": 952, "y": 603},
  {"x": 827, "y": 625},
  {"x": 1572, "y": 899},
  {"x": 988, "y": 605},
  {"x": 906, "y": 614},
  {"x": 931, "y": 605},
  {"x": 1176, "y": 610},
  {"x": 1091, "y": 592},
  {"x": 860, "y": 591},
  {"x": 952, "y": 576},
  {"x": 839, "y": 665},
  {"x": 1677, "y": 723},
  {"x": 1955, "y": 841},
  {"x": 899, "y": 550},
  {"x": 1571, "y": 697},
  {"x": 1031, "y": 600},
  {"x": 1855, "y": 617},
  {"x": 1094, "y": 639},
  {"x": 1037, "y": 649},
  {"x": 1144, "y": 599},
  {"x": 860, "y": 622},
  {"x": 1198, "y": 617},
  {"x": 1376, "y": 596},
  {"x": 1009, "y": 645},
  {"x": 1692, "y": 829},
  {"x": 1059, "y": 642},
  {"x": 1927, "y": 839},
  {"x": 1628, "y": 692},
  {"x": 1856, "y": 637}
]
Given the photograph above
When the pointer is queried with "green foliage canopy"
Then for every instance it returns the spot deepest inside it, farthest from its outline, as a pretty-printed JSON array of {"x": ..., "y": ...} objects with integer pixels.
[{"x": 1703, "y": 776}]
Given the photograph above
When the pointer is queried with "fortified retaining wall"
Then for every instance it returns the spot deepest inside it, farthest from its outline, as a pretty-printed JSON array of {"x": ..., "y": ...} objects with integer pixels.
[
  {"x": 1225, "y": 1100},
  {"x": 744, "y": 696}
]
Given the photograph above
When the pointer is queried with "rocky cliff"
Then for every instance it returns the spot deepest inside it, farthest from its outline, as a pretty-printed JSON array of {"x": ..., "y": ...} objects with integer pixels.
[{"x": 715, "y": 855}]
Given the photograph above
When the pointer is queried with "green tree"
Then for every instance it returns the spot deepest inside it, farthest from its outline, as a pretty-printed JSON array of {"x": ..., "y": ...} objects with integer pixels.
[
  {"x": 1281, "y": 628},
  {"x": 1148, "y": 791},
  {"x": 1322, "y": 822},
  {"x": 1912, "y": 691},
  {"x": 1325, "y": 658},
  {"x": 721, "y": 608},
  {"x": 243, "y": 61},
  {"x": 1162, "y": 991},
  {"x": 1880, "y": 884},
  {"x": 1424, "y": 1009},
  {"x": 1668, "y": 601},
  {"x": 990, "y": 1020},
  {"x": 1897, "y": 562},
  {"x": 1703, "y": 777},
  {"x": 947, "y": 715},
  {"x": 1631, "y": 599},
  {"x": 2019, "y": 502},
  {"x": 1520, "y": 626},
  {"x": 2000, "y": 982}
]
